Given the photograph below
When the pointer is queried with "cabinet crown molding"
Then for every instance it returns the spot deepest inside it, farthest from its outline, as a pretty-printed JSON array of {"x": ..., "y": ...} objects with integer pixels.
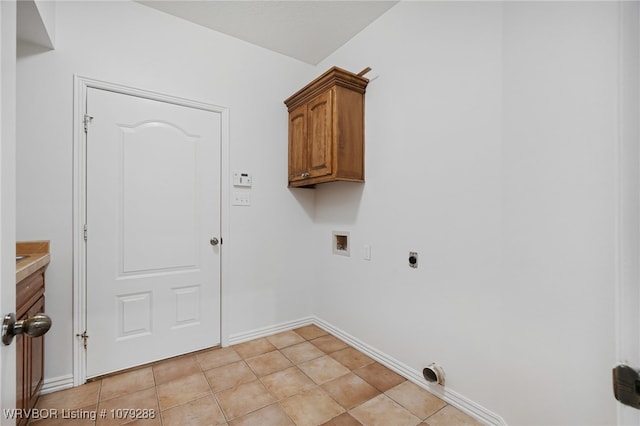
[{"x": 334, "y": 76}]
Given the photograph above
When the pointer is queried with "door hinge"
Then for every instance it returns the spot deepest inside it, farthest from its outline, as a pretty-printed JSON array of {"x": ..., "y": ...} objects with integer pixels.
[
  {"x": 84, "y": 337},
  {"x": 85, "y": 232},
  {"x": 87, "y": 120}
]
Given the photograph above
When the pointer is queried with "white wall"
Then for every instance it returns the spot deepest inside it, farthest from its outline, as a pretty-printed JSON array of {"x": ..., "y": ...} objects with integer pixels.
[
  {"x": 559, "y": 157},
  {"x": 491, "y": 150},
  {"x": 36, "y": 23},
  {"x": 628, "y": 297},
  {"x": 127, "y": 43}
]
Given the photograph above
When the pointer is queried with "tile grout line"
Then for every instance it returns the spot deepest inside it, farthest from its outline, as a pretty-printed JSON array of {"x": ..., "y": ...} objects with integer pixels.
[
  {"x": 313, "y": 381},
  {"x": 213, "y": 394},
  {"x": 278, "y": 401},
  {"x": 155, "y": 388}
]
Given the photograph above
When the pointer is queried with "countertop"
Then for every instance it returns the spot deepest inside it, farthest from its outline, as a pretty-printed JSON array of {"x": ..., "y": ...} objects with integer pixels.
[{"x": 38, "y": 257}]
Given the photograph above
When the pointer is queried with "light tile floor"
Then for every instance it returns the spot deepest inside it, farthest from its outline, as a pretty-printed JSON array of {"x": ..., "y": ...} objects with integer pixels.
[{"x": 300, "y": 377}]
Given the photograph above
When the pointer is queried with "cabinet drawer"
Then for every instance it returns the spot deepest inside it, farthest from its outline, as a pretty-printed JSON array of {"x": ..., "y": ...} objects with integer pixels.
[{"x": 29, "y": 291}]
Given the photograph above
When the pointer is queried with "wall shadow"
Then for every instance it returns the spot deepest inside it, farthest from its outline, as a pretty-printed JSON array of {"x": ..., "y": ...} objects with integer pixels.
[{"x": 338, "y": 202}]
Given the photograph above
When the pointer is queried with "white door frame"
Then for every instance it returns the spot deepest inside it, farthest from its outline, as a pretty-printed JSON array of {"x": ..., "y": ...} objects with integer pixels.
[
  {"x": 7, "y": 198},
  {"x": 81, "y": 84}
]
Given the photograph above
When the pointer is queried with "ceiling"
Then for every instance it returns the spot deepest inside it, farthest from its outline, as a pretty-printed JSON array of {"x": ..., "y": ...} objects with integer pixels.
[{"x": 306, "y": 30}]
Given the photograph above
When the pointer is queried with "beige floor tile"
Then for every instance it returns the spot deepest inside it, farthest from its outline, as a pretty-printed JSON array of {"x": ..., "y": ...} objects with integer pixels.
[
  {"x": 229, "y": 375},
  {"x": 312, "y": 407},
  {"x": 201, "y": 412},
  {"x": 179, "y": 391},
  {"x": 310, "y": 331},
  {"x": 157, "y": 421},
  {"x": 383, "y": 411},
  {"x": 81, "y": 396},
  {"x": 351, "y": 358},
  {"x": 284, "y": 339},
  {"x": 243, "y": 399},
  {"x": 117, "y": 408},
  {"x": 60, "y": 421},
  {"x": 344, "y": 419},
  {"x": 272, "y": 415},
  {"x": 329, "y": 343},
  {"x": 176, "y": 368},
  {"x": 287, "y": 382},
  {"x": 302, "y": 352},
  {"x": 419, "y": 401},
  {"x": 315, "y": 382},
  {"x": 254, "y": 348},
  {"x": 323, "y": 369},
  {"x": 84, "y": 416},
  {"x": 451, "y": 416},
  {"x": 350, "y": 390},
  {"x": 217, "y": 358},
  {"x": 128, "y": 382},
  {"x": 268, "y": 363},
  {"x": 379, "y": 376}
]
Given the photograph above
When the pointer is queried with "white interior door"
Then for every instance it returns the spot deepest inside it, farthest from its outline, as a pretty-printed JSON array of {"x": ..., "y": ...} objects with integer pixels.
[{"x": 153, "y": 205}]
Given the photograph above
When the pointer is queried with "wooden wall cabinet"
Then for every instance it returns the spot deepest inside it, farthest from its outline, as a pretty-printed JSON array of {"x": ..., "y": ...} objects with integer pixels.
[
  {"x": 29, "y": 350},
  {"x": 326, "y": 129}
]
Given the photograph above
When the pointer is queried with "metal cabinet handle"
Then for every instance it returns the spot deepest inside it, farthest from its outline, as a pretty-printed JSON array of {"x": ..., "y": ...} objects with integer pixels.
[
  {"x": 214, "y": 241},
  {"x": 34, "y": 326}
]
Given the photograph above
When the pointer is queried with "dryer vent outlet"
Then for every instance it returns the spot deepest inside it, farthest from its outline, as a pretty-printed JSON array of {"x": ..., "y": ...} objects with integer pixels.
[{"x": 433, "y": 373}]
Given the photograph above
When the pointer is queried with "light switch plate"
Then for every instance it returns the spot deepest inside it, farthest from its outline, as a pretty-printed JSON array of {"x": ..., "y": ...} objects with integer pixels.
[{"x": 241, "y": 199}]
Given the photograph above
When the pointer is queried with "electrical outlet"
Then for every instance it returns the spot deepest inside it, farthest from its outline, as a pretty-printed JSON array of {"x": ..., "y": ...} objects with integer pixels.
[{"x": 413, "y": 259}]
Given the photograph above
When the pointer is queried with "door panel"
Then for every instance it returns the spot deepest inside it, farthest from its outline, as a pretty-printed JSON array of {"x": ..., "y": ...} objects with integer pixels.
[
  {"x": 298, "y": 143},
  {"x": 320, "y": 134},
  {"x": 159, "y": 203},
  {"x": 153, "y": 204}
]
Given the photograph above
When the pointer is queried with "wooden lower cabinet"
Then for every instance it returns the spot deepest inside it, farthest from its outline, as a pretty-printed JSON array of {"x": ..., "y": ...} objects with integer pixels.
[{"x": 29, "y": 350}]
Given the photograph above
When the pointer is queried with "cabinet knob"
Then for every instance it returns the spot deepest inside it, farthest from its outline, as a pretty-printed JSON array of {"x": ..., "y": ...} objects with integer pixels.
[
  {"x": 305, "y": 174},
  {"x": 34, "y": 326}
]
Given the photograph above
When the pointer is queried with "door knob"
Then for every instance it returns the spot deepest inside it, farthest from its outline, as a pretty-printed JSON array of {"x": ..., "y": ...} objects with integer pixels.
[
  {"x": 34, "y": 326},
  {"x": 214, "y": 241}
]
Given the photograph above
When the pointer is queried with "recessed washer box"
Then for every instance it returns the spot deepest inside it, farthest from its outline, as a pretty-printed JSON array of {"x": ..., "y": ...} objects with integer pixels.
[{"x": 340, "y": 243}]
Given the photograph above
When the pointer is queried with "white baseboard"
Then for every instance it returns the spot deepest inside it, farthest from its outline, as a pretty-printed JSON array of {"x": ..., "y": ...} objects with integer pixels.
[
  {"x": 57, "y": 384},
  {"x": 234, "y": 339},
  {"x": 447, "y": 395}
]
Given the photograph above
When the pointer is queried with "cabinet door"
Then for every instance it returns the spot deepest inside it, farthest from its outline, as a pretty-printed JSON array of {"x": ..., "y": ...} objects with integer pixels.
[
  {"x": 320, "y": 134},
  {"x": 298, "y": 143},
  {"x": 36, "y": 364},
  {"x": 22, "y": 374}
]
